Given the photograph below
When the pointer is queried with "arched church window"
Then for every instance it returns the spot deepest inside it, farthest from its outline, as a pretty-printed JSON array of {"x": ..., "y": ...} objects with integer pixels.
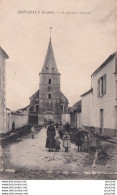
[
  {"x": 49, "y": 96},
  {"x": 49, "y": 81},
  {"x": 62, "y": 108},
  {"x": 31, "y": 108},
  {"x": 37, "y": 108}
]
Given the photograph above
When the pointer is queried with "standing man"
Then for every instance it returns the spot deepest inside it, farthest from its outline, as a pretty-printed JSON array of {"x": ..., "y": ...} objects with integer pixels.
[
  {"x": 50, "y": 141},
  {"x": 13, "y": 126},
  {"x": 79, "y": 139},
  {"x": 67, "y": 127}
]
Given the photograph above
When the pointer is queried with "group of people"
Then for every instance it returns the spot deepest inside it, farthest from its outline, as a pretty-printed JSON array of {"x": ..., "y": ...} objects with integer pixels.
[
  {"x": 87, "y": 140},
  {"x": 53, "y": 141}
]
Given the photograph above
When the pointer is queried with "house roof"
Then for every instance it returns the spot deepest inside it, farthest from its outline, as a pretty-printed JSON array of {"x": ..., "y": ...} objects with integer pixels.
[
  {"x": 76, "y": 107},
  {"x": 4, "y": 53},
  {"x": 69, "y": 108},
  {"x": 90, "y": 91},
  {"x": 24, "y": 107},
  {"x": 8, "y": 109},
  {"x": 17, "y": 113},
  {"x": 49, "y": 65},
  {"x": 104, "y": 64}
]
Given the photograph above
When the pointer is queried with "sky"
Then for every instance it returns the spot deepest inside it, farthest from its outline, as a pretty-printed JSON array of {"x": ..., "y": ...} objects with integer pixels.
[{"x": 81, "y": 43}]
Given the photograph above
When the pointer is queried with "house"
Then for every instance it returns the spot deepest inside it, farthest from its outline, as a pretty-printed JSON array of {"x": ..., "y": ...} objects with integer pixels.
[
  {"x": 3, "y": 57},
  {"x": 99, "y": 105},
  {"x": 86, "y": 119},
  {"x": 75, "y": 115},
  {"x": 48, "y": 102}
]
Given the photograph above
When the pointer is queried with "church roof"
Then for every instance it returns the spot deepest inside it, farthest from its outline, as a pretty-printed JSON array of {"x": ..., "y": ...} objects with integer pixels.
[
  {"x": 49, "y": 65},
  {"x": 35, "y": 95},
  {"x": 63, "y": 98},
  {"x": 4, "y": 53}
]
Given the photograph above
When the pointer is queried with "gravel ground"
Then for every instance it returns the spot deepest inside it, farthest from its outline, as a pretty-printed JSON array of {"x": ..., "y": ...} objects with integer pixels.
[{"x": 31, "y": 160}]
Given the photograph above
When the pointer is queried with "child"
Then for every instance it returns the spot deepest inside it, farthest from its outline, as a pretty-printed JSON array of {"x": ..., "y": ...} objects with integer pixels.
[
  {"x": 98, "y": 140},
  {"x": 85, "y": 143},
  {"x": 66, "y": 142},
  {"x": 32, "y": 131},
  {"x": 61, "y": 131},
  {"x": 88, "y": 138},
  {"x": 57, "y": 144},
  {"x": 57, "y": 126}
]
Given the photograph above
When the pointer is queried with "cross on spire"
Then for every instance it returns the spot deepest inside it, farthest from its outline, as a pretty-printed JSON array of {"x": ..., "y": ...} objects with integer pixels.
[{"x": 50, "y": 33}]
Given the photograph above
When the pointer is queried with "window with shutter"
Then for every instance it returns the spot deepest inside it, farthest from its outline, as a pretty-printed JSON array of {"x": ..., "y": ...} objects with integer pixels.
[
  {"x": 98, "y": 88},
  {"x": 104, "y": 84},
  {"x": 101, "y": 86},
  {"x": 116, "y": 90},
  {"x": 0, "y": 78},
  {"x": 116, "y": 65}
]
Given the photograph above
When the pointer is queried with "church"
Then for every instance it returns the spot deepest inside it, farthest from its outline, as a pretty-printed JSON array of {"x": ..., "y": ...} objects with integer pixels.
[{"x": 48, "y": 102}]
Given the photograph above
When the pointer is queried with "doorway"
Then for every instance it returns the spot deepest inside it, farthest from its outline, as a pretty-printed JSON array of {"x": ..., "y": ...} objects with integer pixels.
[
  {"x": 101, "y": 120},
  {"x": 116, "y": 117},
  {"x": 49, "y": 116}
]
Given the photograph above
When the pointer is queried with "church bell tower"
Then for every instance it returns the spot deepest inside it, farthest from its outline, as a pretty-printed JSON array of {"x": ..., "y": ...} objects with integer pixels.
[{"x": 49, "y": 89}]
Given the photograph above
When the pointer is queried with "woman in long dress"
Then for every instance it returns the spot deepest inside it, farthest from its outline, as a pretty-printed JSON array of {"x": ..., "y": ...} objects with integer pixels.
[{"x": 51, "y": 133}]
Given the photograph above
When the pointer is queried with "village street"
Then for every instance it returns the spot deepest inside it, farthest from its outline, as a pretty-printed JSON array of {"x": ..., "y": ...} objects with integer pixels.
[{"x": 29, "y": 159}]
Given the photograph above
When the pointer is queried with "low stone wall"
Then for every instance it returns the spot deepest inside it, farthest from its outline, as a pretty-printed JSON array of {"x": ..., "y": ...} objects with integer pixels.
[
  {"x": 19, "y": 119},
  {"x": 85, "y": 128},
  {"x": 110, "y": 132},
  {"x": 65, "y": 118},
  {"x": 105, "y": 131},
  {"x": 12, "y": 136}
]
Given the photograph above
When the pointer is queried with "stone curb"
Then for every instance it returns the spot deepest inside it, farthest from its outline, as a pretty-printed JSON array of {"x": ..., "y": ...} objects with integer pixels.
[
  {"x": 8, "y": 170},
  {"x": 65, "y": 172},
  {"x": 99, "y": 173}
]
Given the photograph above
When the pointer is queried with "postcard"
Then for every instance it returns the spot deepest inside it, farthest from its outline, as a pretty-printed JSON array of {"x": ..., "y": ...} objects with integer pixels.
[{"x": 58, "y": 90}]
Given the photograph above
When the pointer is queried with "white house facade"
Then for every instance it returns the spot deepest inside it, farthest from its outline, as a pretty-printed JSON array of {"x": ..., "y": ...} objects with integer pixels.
[
  {"x": 99, "y": 107},
  {"x": 3, "y": 57},
  {"x": 104, "y": 84},
  {"x": 86, "y": 119}
]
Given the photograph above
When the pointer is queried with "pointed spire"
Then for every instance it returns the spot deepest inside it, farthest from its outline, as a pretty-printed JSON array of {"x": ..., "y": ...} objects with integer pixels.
[{"x": 49, "y": 65}]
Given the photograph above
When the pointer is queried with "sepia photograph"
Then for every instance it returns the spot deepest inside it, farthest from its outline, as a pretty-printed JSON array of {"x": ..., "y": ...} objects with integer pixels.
[{"x": 58, "y": 90}]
